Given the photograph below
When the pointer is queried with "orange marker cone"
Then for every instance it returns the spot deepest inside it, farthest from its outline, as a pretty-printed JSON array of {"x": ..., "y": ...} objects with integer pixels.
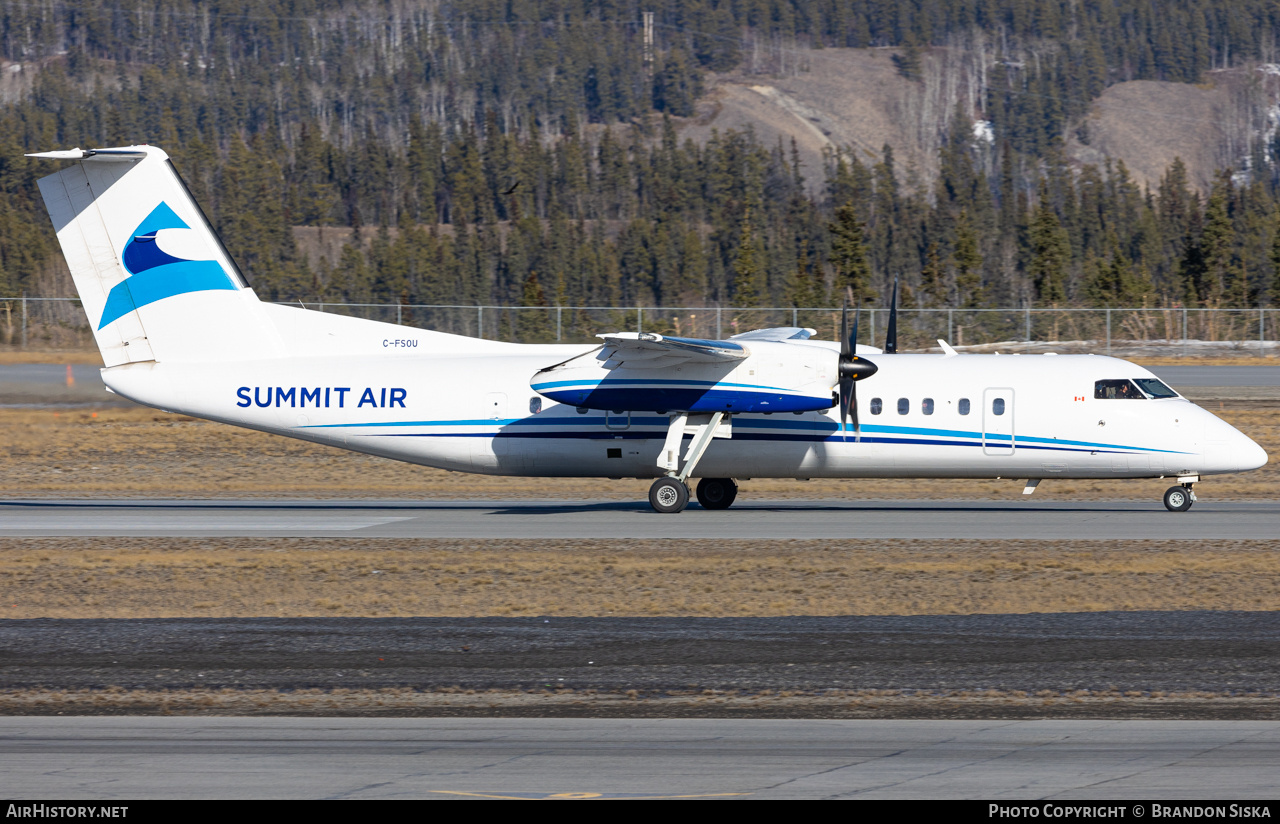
[{"x": 71, "y": 379}]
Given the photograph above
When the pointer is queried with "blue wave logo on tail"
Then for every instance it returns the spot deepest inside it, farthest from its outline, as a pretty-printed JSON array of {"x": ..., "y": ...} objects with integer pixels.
[{"x": 155, "y": 274}]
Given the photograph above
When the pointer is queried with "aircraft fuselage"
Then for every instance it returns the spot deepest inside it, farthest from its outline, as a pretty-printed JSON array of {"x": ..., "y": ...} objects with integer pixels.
[{"x": 964, "y": 416}]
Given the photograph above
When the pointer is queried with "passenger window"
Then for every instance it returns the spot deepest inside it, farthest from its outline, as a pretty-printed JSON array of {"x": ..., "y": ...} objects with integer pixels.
[
  {"x": 904, "y": 406},
  {"x": 877, "y": 406},
  {"x": 964, "y": 406},
  {"x": 535, "y": 405},
  {"x": 1116, "y": 390},
  {"x": 926, "y": 406},
  {"x": 997, "y": 406}
]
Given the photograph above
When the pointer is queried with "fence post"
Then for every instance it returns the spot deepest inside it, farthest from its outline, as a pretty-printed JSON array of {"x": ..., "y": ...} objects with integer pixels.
[
  {"x": 1108, "y": 331},
  {"x": 951, "y": 336},
  {"x": 795, "y": 316},
  {"x": 639, "y": 319},
  {"x": 719, "y": 333},
  {"x": 1262, "y": 332},
  {"x": 873, "y": 326},
  {"x": 1184, "y": 331},
  {"x": 1027, "y": 309},
  {"x": 399, "y": 315},
  {"x": 558, "y": 310},
  {"x": 24, "y": 320},
  {"x": 479, "y": 321}
]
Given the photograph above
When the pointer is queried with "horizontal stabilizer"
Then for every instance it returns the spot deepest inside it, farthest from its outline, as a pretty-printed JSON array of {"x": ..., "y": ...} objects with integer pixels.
[{"x": 85, "y": 154}]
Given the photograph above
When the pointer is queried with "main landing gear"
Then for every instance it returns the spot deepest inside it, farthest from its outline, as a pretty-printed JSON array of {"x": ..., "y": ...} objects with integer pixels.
[
  {"x": 670, "y": 493},
  {"x": 717, "y": 493}
]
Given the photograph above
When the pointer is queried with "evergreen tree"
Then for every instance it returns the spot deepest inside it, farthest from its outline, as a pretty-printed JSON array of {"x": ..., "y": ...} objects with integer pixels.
[
  {"x": 934, "y": 289},
  {"x": 1215, "y": 246},
  {"x": 748, "y": 275},
  {"x": 849, "y": 255},
  {"x": 1275, "y": 266},
  {"x": 1050, "y": 254},
  {"x": 533, "y": 321},
  {"x": 968, "y": 265}
]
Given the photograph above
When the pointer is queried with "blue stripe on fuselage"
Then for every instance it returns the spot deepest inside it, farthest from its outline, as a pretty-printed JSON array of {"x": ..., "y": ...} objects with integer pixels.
[{"x": 800, "y": 430}]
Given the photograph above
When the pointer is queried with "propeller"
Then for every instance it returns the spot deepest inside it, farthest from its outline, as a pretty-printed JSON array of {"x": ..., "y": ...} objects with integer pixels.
[
  {"x": 891, "y": 337},
  {"x": 852, "y": 369}
]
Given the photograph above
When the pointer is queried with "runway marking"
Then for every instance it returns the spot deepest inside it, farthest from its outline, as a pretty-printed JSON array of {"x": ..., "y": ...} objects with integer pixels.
[
  {"x": 164, "y": 523},
  {"x": 584, "y": 796}
]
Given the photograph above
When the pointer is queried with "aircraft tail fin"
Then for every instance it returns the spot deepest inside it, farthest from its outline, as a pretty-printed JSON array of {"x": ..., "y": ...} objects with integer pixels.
[{"x": 153, "y": 276}]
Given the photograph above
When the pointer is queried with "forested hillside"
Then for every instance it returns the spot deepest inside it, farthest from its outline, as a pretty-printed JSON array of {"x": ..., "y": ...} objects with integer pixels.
[{"x": 531, "y": 152}]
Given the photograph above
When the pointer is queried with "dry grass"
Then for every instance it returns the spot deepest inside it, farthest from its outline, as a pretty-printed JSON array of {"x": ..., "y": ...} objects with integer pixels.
[
  {"x": 78, "y": 356},
  {"x": 827, "y": 703},
  {"x": 226, "y": 578},
  {"x": 136, "y": 452}
]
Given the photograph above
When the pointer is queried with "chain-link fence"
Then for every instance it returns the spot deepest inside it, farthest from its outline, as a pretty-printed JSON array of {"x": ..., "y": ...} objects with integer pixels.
[{"x": 60, "y": 323}]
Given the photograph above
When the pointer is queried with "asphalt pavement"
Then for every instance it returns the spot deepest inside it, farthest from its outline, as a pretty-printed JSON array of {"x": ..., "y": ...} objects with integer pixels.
[
  {"x": 1018, "y": 518},
  {"x": 123, "y": 760}
]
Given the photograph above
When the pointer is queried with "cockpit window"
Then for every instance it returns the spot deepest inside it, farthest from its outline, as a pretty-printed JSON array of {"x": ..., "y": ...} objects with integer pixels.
[
  {"x": 1116, "y": 390},
  {"x": 1155, "y": 388}
]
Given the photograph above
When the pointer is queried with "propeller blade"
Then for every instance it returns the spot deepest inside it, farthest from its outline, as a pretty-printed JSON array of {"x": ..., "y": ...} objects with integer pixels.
[
  {"x": 846, "y": 394},
  {"x": 853, "y": 403},
  {"x": 891, "y": 337},
  {"x": 844, "y": 330},
  {"x": 853, "y": 384}
]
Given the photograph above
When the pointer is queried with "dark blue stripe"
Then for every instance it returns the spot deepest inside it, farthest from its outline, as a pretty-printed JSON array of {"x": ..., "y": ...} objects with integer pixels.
[{"x": 690, "y": 399}]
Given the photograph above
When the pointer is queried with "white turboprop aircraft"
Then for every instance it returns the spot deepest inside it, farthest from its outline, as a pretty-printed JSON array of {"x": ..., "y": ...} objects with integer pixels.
[{"x": 180, "y": 329}]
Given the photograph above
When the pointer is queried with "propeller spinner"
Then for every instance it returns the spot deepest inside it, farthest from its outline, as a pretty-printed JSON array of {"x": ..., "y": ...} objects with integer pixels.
[{"x": 852, "y": 369}]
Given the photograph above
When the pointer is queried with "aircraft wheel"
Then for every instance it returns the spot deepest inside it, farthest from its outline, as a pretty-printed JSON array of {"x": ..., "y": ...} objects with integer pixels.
[
  {"x": 668, "y": 495},
  {"x": 717, "y": 493},
  {"x": 1178, "y": 499}
]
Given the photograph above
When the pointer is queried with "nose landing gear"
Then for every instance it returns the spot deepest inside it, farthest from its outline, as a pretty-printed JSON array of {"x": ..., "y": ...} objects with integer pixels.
[{"x": 1179, "y": 498}]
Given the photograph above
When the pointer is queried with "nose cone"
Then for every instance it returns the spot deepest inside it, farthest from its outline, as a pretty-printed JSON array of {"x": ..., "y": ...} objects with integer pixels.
[
  {"x": 1227, "y": 449},
  {"x": 1249, "y": 454}
]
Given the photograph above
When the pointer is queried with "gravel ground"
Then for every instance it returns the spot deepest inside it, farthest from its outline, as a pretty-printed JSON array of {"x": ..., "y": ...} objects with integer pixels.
[{"x": 1111, "y": 664}]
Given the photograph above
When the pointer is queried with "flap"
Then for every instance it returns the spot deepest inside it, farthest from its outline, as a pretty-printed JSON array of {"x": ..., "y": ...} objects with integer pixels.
[
  {"x": 777, "y": 333},
  {"x": 635, "y": 348}
]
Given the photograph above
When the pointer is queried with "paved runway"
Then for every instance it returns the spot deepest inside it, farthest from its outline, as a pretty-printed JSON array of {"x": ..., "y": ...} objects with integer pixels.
[
  {"x": 255, "y": 758},
  {"x": 1013, "y": 519},
  {"x": 1218, "y": 375}
]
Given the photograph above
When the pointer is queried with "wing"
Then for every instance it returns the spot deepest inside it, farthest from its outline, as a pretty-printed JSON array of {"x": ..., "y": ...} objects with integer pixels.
[{"x": 647, "y": 349}]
